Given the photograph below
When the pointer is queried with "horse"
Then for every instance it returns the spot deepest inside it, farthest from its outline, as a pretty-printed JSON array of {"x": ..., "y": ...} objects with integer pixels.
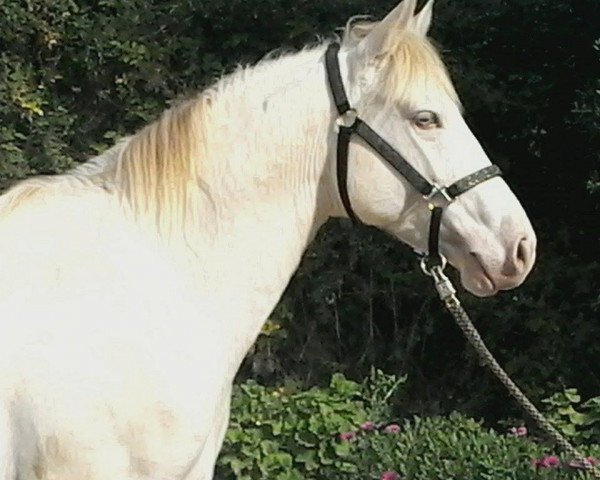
[{"x": 132, "y": 286}]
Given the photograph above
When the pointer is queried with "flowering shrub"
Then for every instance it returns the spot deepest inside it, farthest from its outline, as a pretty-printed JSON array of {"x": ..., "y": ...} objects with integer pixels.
[
  {"x": 344, "y": 432},
  {"x": 286, "y": 434}
]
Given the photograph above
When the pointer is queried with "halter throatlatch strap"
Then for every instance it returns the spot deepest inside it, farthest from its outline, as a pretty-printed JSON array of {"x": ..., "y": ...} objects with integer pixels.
[{"x": 350, "y": 124}]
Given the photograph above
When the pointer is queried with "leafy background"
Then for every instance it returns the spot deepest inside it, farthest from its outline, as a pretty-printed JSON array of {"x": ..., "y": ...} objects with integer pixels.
[{"x": 75, "y": 75}]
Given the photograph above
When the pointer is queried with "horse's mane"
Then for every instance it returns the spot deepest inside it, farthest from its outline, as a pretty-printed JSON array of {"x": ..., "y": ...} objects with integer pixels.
[{"x": 158, "y": 166}]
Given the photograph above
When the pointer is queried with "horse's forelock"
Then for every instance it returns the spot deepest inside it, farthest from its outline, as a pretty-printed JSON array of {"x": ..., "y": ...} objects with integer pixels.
[{"x": 408, "y": 60}]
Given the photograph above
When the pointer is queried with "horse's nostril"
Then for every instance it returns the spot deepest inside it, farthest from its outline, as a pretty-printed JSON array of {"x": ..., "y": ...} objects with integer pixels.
[
  {"x": 517, "y": 261},
  {"x": 522, "y": 252}
]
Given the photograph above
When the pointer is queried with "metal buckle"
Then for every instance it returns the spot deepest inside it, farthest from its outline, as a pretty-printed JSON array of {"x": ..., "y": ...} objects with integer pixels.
[
  {"x": 347, "y": 119},
  {"x": 443, "y": 285},
  {"x": 438, "y": 189}
]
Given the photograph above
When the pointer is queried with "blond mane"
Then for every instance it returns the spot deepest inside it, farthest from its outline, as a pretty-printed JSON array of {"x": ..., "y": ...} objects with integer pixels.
[{"x": 159, "y": 166}]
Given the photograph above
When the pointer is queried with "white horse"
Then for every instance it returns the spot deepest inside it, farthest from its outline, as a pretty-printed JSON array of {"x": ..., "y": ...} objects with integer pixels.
[{"x": 132, "y": 287}]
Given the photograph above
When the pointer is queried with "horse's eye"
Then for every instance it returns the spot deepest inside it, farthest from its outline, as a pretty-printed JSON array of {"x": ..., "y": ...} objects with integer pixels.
[{"x": 426, "y": 120}]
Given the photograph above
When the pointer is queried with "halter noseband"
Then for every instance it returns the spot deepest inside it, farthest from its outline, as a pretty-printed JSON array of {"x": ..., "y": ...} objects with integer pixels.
[{"x": 349, "y": 123}]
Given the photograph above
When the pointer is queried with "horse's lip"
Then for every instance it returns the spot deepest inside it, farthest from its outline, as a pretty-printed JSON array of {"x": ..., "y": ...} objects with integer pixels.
[{"x": 487, "y": 276}]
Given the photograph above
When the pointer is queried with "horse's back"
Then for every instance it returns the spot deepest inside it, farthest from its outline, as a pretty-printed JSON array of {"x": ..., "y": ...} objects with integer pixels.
[
  {"x": 46, "y": 231},
  {"x": 65, "y": 243}
]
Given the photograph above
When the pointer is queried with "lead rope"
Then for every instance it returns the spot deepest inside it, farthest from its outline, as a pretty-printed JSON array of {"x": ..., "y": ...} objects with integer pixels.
[{"x": 447, "y": 294}]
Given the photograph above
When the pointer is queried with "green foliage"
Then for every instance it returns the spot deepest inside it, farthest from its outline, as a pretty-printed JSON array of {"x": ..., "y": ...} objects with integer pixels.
[
  {"x": 283, "y": 433},
  {"x": 561, "y": 412},
  {"x": 578, "y": 421}
]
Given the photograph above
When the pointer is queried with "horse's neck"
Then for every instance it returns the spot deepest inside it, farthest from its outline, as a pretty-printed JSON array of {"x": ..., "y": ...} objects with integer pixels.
[
  {"x": 266, "y": 188},
  {"x": 249, "y": 265},
  {"x": 261, "y": 195}
]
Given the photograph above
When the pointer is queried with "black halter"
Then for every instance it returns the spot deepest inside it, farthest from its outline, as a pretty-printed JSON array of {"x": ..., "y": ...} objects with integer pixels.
[{"x": 349, "y": 124}]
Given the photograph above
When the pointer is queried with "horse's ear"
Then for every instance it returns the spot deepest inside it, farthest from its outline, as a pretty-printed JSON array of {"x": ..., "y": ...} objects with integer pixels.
[
  {"x": 400, "y": 18},
  {"x": 422, "y": 20}
]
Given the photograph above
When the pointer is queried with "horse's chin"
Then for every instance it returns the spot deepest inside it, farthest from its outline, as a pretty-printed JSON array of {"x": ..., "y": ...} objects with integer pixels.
[
  {"x": 478, "y": 283},
  {"x": 475, "y": 278},
  {"x": 481, "y": 281}
]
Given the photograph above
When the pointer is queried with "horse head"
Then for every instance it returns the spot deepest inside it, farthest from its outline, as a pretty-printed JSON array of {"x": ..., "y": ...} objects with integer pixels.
[{"x": 397, "y": 83}]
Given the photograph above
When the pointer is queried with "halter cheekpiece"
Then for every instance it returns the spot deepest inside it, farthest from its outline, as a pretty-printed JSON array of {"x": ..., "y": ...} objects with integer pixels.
[{"x": 349, "y": 123}]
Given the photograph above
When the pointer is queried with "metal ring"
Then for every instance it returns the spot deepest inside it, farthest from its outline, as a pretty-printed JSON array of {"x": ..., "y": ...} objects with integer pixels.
[
  {"x": 438, "y": 190},
  {"x": 429, "y": 270},
  {"x": 347, "y": 119}
]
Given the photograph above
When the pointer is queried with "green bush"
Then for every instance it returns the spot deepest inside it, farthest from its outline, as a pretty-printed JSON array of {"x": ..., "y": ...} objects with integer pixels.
[
  {"x": 344, "y": 431},
  {"x": 578, "y": 421},
  {"x": 287, "y": 434}
]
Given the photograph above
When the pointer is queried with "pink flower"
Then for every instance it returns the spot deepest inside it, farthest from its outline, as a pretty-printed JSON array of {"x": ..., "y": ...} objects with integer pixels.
[
  {"x": 347, "y": 436},
  {"x": 390, "y": 475},
  {"x": 368, "y": 426},
  {"x": 551, "y": 461},
  {"x": 518, "y": 431},
  {"x": 392, "y": 428}
]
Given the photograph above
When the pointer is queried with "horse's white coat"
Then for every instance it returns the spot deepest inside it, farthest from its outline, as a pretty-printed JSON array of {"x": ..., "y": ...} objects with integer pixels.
[{"x": 121, "y": 337}]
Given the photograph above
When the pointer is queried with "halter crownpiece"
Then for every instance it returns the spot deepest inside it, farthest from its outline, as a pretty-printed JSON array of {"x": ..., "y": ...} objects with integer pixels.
[{"x": 349, "y": 123}]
